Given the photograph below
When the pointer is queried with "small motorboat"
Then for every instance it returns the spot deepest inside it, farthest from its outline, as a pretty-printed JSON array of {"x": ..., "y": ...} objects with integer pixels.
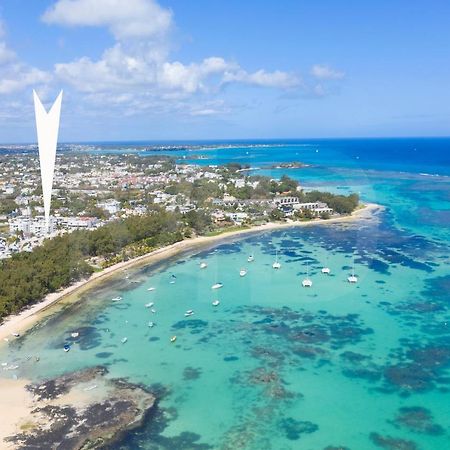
[
  {"x": 15, "y": 334},
  {"x": 217, "y": 286},
  {"x": 151, "y": 324},
  {"x": 173, "y": 339},
  {"x": 151, "y": 289},
  {"x": 242, "y": 273},
  {"x": 251, "y": 258},
  {"x": 116, "y": 299},
  {"x": 216, "y": 303},
  {"x": 149, "y": 305},
  {"x": 203, "y": 265},
  {"x": 66, "y": 347},
  {"x": 326, "y": 270},
  {"x": 75, "y": 334},
  {"x": 188, "y": 313},
  {"x": 153, "y": 310},
  {"x": 172, "y": 282},
  {"x": 124, "y": 340}
]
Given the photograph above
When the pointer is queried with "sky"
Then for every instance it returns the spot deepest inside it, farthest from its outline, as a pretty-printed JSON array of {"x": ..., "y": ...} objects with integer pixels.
[{"x": 210, "y": 69}]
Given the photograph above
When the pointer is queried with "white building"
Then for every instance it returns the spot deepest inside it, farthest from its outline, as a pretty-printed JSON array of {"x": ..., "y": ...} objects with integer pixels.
[
  {"x": 111, "y": 206},
  {"x": 28, "y": 225}
]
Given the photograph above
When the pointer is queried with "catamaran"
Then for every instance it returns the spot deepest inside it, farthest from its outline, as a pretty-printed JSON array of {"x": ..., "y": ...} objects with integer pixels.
[
  {"x": 307, "y": 282},
  {"x": 326, "y": 270},
  {"x": 353, "y": 278},
  {"x": 276, "y": 264},
  {"x": 189, "y": 312}
]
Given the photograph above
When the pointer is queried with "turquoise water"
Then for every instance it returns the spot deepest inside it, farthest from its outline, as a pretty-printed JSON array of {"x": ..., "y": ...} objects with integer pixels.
[{"x": 277, "y": 366}]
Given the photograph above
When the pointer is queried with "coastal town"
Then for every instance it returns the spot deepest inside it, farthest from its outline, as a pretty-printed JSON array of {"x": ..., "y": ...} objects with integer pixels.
[{"x": 94, "y": 189}]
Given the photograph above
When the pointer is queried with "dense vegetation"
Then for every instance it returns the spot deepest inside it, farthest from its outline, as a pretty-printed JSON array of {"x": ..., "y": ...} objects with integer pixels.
[{"x": 28, "y": 277}]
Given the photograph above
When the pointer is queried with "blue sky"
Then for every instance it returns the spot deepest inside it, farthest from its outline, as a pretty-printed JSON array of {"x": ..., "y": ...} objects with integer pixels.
[{"x": 201, "y": 69}]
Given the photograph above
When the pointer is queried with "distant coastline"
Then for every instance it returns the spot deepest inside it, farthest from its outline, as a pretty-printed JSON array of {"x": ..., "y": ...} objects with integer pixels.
[{"x": 21, "y": 322}]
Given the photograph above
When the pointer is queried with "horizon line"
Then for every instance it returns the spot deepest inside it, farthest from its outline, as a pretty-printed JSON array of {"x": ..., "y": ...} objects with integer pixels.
[{"x": 224, "y": 140}]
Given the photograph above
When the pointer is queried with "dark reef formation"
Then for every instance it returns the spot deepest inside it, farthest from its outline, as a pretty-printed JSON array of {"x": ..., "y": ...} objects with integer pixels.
[{"x": 83, "y": 410}]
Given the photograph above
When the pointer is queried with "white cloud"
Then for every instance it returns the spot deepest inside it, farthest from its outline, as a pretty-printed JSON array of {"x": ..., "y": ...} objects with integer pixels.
[
  {"x": 124, "y": 18},
  {"x": 262, "y": 78},
  {"x": 6, "y": 55},
  {"x": 323, "y": 72},
  {"x": 15, "y": 76}
]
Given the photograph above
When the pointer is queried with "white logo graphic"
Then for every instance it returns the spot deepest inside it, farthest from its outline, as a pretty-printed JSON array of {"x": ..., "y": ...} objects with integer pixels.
[{"x": 47, "y": 126}]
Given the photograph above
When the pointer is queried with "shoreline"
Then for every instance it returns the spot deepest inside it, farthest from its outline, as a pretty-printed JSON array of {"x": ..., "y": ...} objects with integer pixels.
[{"x": 21, "y": 322}]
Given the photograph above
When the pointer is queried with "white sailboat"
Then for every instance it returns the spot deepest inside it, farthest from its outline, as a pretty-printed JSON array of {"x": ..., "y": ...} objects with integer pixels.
[
  {"x": 307, "y": 281},
  {"x": 276, "y": 264},
  {"x": 353, "y": 278}
]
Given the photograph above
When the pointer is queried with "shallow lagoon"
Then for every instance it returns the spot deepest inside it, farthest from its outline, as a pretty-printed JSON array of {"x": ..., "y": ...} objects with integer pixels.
[{"x": 277, "y": 366}]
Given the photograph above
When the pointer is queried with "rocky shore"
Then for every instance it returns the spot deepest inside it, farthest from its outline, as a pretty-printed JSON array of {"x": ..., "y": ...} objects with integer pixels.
[{"x": 81, "y": 410}]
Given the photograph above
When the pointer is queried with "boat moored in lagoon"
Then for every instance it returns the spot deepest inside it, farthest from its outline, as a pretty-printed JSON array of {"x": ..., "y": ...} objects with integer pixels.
[
  {"x": 326, "y": 270},
  {"x": 217, "y": 286},
  {"x": 307, "y": 281},
  {"x": 276, "y": 264},
  {"x": 203, "y": 265},
  {"x": 353, "y": 278},
  {"x": 242, "y": 273},
  {"x": 216, "y": 303}
]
